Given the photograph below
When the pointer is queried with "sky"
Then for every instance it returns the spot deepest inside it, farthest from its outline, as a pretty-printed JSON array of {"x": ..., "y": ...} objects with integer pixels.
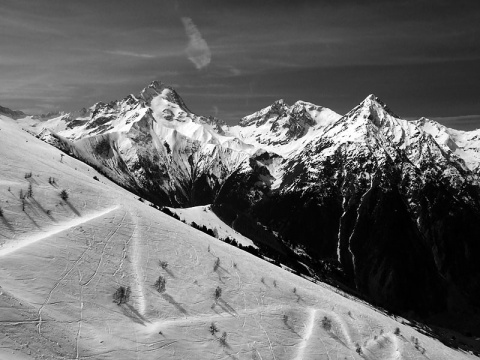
[{"x": 229, "y": 58}]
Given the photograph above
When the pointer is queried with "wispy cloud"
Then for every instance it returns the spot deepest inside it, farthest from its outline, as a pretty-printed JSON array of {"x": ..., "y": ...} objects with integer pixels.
[
  {"x": 197, "y": 49},
  {"x": 131, "y": 53}
]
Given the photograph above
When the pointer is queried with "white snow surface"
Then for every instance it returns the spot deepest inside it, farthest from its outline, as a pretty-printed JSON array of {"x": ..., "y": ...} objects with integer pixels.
[
  {"x": 464, "y": 144},
  {"x": 61, "y": 261},
  {"x": 204, "y": 216}
]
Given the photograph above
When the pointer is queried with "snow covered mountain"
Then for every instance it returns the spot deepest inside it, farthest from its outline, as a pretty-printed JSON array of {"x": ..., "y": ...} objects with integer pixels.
[
  {"x": 63, "y": 258},
  {"x": 379, "y": 199},
  {"x": 388, "y": 207}
]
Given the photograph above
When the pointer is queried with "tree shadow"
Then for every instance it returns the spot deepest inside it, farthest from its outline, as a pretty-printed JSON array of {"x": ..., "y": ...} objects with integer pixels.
[
  {"x": 132, "y": 313},
  {"x": 7, "y": 224},
  {"x": 73, "y": 208},
  {"x": 42, "y": 209},
  {"x": 299, "y": 298},
  {"x": 224, "y": 306},
  {"x": 31, "y": 180},
  {"x": 169, "y": 272},
  {"x": 224, "y": 343},
  {"x": 219, "y": 273},
  {"x": 31, "y": 219},
  {"x": 285, "y": 322},
  {"x": 337, "y": 338},
  {"x": 221, "y": 267},
  {"x": 172, "y": 301}
]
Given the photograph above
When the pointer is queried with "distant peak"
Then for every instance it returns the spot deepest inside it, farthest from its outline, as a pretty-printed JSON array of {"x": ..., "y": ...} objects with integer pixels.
[
  {"x": 153, "y": 89},
  {"x": 374, "y": 101},
  {"x": 14, "y": 114},
  {"x": 157, "y": 85},
  {"x": 278, "y": 108}
]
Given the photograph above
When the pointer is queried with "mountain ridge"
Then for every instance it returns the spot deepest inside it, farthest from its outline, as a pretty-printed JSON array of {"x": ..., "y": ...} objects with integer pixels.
[{"x": 315, "y": 179}]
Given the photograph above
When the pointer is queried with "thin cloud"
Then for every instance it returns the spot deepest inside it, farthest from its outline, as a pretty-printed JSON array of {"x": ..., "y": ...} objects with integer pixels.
[
  {"x": 197, "y": 49},
  {"x": 131, "y": 53}
]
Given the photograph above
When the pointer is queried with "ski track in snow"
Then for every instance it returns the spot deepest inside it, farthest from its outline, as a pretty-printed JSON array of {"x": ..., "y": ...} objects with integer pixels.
[
  {"x": 385, "y": 347},
  {"x": 8, "y": 249},
  {"x": 137, "y": 268},
  {"x": 308, "y": 333}
]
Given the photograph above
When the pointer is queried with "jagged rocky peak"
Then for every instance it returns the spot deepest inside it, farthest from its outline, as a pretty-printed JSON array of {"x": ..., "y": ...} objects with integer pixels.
[
  {"x": 299, "y": 114},
  {"x": 276, "y": 110},
  {"x": 151, "y": 91},
  {"x": 158, "y": 88},
  {"x": 376, "y": 106},
  {"x": 373, "y": 111}
]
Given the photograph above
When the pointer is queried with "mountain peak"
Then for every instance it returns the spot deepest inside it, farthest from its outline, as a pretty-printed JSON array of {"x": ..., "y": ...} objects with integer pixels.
[
  {"x": 277, "y": 109},
  {"x": 158, "y": 88},
  {"x": 374, "y": 102},
  {"x": 151, "y": 91}
]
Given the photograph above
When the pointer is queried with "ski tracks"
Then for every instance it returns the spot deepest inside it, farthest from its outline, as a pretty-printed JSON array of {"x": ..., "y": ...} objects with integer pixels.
[
  {"x": 308, "y": 333},
  {"x": 29, "y": 240},
  {"x": 138, "y": 276}
]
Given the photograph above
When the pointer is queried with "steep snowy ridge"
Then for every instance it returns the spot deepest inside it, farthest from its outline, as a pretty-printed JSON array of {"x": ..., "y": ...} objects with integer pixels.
[
  {"x": 283, "y": 129},
  {"x": 464, "y": 144},
  {"x": 152, "y": 144}
]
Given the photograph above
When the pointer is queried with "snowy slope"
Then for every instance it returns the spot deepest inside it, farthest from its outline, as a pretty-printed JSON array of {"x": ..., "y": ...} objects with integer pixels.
[
  {"x": 464, "y": 144},
  {"x": 61, "y": 261},
  {"x": 204, "y": 216}
]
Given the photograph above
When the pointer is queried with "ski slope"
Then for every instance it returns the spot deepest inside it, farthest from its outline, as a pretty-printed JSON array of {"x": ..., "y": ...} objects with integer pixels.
[{"x": 61, "y": 261}]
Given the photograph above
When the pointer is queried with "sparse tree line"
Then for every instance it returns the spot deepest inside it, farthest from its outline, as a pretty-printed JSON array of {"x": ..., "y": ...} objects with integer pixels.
[
  {"x": 250, "y": 249},
  {"x": 23, "y": 195}
]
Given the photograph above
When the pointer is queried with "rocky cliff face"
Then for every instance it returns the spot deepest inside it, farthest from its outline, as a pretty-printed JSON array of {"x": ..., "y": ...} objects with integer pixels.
[
  {"x": 391, "y": 205},
  {"x": 379, "y": 198}
]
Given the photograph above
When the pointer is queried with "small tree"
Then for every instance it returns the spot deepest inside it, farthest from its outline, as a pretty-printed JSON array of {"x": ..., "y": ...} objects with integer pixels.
[
  {"x": 327, "y": 323},
  {"x": 22, "y": 199},
  {"x": 121, "y": 295},
  {"x": 1, "y": 212},
  {"x": 30, "y": 191},
  {"x": 213, "y": 328},
  {"x": 160, "y": 284},
  {"x": 163, "y": 264},
  {"x": 358, "y": 349},
  {"x": 274, "y": 283},
  {"x": 216, "y": 264},
  {"x": 218, "y": 292},
  {"x": 64, "y": 194},
  {"x": 397, "y": 331}
]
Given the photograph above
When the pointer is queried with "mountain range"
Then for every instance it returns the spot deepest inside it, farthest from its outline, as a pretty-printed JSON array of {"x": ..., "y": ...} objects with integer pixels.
[{"x": 384, "y": 207}]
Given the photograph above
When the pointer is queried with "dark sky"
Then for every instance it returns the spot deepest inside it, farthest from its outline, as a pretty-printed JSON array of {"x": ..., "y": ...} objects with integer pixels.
[{"x": 230, "y": 58}]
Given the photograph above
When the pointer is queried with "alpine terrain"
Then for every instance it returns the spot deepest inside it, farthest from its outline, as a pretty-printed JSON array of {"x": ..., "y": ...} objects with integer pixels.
[{"x": 380, "y": 216}]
